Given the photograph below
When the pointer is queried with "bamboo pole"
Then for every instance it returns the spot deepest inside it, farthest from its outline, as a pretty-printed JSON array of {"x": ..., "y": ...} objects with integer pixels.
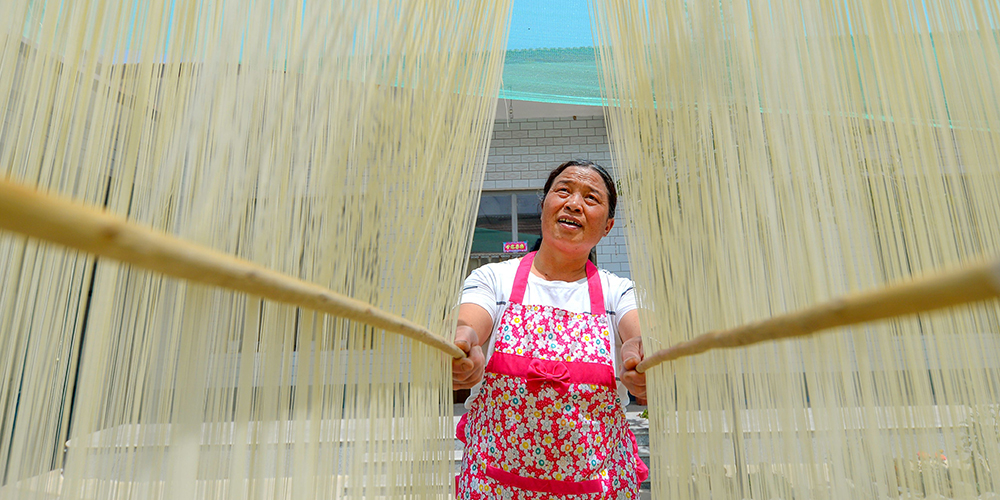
[
  {"x": 57, "y": 220},
  {"x": 972, "y": 283}
]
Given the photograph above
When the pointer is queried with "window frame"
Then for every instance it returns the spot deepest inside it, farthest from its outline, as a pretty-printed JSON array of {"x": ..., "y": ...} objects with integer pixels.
[{"x": 515, "y": 234}]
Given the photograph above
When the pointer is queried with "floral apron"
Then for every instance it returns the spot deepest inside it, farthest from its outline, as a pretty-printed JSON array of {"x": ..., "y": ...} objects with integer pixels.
[{"x": 547, "y": 421}]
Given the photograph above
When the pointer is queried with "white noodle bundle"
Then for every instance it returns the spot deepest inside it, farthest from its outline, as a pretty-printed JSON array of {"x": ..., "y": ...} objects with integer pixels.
[
  {"x": 342, "y": 143},
  {"x": 779, "y": 153}
]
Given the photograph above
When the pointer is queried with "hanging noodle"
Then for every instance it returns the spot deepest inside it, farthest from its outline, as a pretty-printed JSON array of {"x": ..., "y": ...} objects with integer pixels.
[
  {"x": 775, "y": 154},
  {"x": 779, "y": 153},
  {"x": 342, "y": 144}
]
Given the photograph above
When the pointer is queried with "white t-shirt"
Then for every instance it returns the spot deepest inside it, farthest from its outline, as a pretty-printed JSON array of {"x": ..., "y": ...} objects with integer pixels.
[{"x": 490, "y": 287}]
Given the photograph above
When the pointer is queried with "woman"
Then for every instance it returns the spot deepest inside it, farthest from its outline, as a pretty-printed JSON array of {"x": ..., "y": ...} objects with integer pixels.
[{"x": 546, "y": 416}]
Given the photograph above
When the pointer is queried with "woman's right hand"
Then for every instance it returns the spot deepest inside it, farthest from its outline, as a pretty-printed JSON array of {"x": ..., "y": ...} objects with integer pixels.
[{"x": 468, "y": 371}]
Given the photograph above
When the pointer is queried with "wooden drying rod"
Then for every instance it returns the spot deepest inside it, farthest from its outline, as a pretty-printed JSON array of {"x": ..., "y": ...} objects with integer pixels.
[
  {"x": 58, "y": 220},
  {"x": 972, "y": 283}
]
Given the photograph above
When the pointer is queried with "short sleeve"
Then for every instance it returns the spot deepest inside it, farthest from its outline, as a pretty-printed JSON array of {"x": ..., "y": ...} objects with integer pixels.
[
  {"x": 621, "y": 298},
  {"x": 483, "y": 288}
]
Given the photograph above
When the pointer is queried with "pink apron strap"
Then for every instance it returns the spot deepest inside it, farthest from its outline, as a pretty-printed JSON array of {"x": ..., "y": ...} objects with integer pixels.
[
  {"x": 521, "y": 278},
  {"x": 593, "y": 284},
  {"x": 596, "y": 292}
]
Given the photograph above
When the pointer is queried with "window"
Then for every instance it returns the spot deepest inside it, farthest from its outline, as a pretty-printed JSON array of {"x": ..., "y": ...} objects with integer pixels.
[{"x": 504, "y": 217}]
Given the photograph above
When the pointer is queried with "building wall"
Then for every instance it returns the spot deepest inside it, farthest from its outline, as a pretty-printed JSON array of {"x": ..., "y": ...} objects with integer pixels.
[{"x": 524, "y": 150}]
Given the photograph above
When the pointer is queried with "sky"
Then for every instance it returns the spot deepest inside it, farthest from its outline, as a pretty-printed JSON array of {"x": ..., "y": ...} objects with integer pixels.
[{"x": 550, "y": 24}]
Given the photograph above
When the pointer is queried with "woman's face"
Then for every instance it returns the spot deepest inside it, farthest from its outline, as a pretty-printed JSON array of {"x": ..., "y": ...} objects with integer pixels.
[{"x": 575, "y": 211}]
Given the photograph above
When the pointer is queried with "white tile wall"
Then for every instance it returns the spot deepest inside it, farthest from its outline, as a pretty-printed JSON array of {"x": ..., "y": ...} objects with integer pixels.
[{"x": 523, "y": 152}]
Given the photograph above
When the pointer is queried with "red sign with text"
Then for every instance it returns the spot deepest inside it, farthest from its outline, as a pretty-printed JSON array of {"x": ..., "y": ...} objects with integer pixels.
[{"x": 515, "y": 246}]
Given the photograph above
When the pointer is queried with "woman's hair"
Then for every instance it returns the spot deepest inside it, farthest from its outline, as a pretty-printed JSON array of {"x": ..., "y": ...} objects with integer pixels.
[{"x": 608, "y": 181}]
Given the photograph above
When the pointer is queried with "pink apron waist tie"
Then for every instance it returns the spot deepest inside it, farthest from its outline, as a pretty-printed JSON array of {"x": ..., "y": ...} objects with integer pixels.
[{"x": 560, "y": 374}]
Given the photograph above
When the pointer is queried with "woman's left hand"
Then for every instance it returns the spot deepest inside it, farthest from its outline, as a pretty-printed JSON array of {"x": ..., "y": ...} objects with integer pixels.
[
  {"x": 634, "y": 381},
  {"x": 632, "y": 354}
]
